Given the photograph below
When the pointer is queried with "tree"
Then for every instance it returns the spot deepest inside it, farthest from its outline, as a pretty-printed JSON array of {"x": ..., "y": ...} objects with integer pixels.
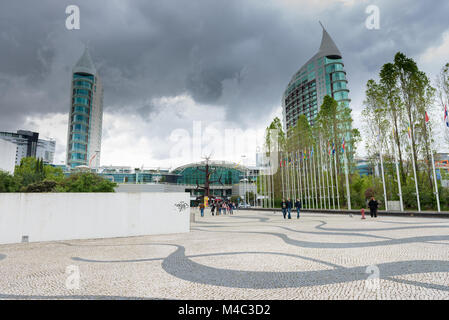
[
  {"x": 8, "y": 183},
  {"x": 32, "y": 170},
  {"x": 41, "y": 186},
  {"x": 275, "y": 142},
  {"x": 443, "y": 92},
  {"x": 394, "y": 108},
  {"x": 207, "y": 178},
  {"x": 87, "y": 182}
]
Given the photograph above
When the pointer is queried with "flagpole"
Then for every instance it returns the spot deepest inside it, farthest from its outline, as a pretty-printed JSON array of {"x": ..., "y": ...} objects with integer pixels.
[
  {"x": 267, "y": 196},
  {"x": 434, "y": 172},
  {"x": 263, "y": 181},
  {"x": 287, "y": 179},
  {"x": 286, "y": 176},
  {"x": 315, "y": 194},
  {"x": 322, "y": 175},
  {"x": 309, "y": 183},
  {"x": 305, "y": 179},
  {"x": 269, "y": 184},
  {"x": 329, "y": 157},
  {"x": 336, "y": 178},
  {"x": 299, "y": 177},
  {"x": 414, "y": 171},
  {"x": 272, "y": 185},
  {"x": 282, "y": 175},
  {"x": 295, "y": 182},
  {"x": 292, "y": 172},
  {"x": 383, "y": 177},
  {"x": 292, "y": 178},
  {"x": 319, "y": 179},
  {"x": 436, "y": 183},
  {"x": 312, "y": 185},
  {"x": 327, "y": 182},
  {"x": 348, "y": 193},
  {"x": 397, "y": 173}
]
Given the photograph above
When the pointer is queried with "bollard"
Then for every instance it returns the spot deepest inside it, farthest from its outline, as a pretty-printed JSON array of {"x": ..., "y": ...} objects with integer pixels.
[{"x": 363, "y": 213}]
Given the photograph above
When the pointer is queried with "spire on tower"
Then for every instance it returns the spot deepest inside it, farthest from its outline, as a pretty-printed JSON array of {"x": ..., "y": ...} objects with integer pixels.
[{"x": 85, "y": 64}]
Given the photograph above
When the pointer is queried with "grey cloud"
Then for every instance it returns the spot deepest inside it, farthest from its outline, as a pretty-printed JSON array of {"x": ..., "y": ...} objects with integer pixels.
[{"x": 239, "y": 54}]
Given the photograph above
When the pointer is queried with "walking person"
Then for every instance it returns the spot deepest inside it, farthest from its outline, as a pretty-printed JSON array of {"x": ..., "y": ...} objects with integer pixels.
[
  {"x": 284, "y": 207},
  {"x": 373, "y": 205},
  {"x": 298, "y": 207},
  {"x": 289, "y": 207},
  {"x": 212, "y": 208},
  {"x": 202, "y": 209}
]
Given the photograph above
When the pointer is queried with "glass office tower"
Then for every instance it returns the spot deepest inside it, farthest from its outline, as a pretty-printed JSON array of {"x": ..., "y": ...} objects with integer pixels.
[
  {"x": 322, "y": 75},
  {"x": 86, "y": 115}
]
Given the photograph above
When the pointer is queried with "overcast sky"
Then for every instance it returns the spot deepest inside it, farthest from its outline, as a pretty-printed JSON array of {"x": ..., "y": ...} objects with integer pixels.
[{"x": 171, "y": 65}]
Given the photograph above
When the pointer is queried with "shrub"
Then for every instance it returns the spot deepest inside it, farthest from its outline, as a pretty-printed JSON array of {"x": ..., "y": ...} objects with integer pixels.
[{"x": 42, "y": 186}]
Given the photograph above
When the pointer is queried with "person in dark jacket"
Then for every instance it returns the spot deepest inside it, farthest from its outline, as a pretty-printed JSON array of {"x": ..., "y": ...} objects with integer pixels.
[
  {"x": 298, "y": 207},
  {"x": 373, "y": 205},
  {"x": 284, "y": 207},
  {"x": 289, "y": 207}
]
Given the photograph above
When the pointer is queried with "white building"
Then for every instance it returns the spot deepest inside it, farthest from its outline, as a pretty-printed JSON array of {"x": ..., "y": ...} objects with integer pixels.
[
  {"x": 7, "y": 156},
  {"x": 28, "y": 144},
  {"x": 46, "y": 150}
]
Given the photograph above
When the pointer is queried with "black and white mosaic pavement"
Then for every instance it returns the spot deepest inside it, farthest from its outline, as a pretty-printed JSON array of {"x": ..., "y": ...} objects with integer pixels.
[{"x": 251, "y": 255}]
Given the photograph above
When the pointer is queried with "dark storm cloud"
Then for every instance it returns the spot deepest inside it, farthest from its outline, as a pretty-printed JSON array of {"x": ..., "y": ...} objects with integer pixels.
[{"x": 239, "y": 54}]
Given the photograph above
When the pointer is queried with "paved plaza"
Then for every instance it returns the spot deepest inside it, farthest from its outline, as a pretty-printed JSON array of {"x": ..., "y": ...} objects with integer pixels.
[{"x": 249, "y": 255}]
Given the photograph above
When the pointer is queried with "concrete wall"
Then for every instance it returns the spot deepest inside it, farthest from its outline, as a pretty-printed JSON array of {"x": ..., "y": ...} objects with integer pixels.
[
  {"x": 7, "y": 156},
  {"x": 150, "y": 187},
  {"x": 66, "y": 216}
]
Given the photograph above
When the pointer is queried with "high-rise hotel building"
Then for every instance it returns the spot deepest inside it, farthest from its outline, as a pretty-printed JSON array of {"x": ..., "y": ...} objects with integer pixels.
[
  {"x": 322, "y": 75},
  {"x": 86, "y": 115}
]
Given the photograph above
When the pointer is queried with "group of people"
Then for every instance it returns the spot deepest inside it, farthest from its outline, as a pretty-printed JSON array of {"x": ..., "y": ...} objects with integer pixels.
[
  {"x": 219, "y": 207},
  {"x": 287, "y": 207}
]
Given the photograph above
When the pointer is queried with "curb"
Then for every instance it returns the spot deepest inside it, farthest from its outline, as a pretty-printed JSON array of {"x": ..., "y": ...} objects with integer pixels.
[{"x": 426, "y": 214}]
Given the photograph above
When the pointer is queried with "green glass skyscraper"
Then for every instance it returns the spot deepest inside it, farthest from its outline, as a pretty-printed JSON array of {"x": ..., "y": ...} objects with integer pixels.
[
  {"x": 322, "y": 75},
  {"x": 85, "y": 116}
]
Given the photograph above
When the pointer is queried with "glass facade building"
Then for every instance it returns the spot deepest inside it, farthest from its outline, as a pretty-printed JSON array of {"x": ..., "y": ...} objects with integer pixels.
[
  {"x": 223, "y": 176},
  {"x": 85, "y": 116},
  {"x": 322, "y": 75}
]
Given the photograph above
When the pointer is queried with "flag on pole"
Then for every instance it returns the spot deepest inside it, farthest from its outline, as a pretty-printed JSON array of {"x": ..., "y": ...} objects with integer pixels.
[
  {"x": 446, "y": 118},
  {"x": 343, "y": 146}
]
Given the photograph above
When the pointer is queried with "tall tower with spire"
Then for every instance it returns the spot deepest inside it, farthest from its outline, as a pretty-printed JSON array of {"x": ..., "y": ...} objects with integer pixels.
[
  {"x": 86, "y": 115},
  {"x": 322, "y": 75}
]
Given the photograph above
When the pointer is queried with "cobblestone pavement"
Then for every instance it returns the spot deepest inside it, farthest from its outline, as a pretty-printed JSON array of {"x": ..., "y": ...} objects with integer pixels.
[{"x": 250, "y": 255}]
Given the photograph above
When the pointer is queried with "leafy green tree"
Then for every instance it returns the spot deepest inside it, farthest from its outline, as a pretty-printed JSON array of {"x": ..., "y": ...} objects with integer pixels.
[
  {"x": 87, "y": 182},
  {"x": 32, "y": 170},
  {"x": 8, "y": 183}
]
